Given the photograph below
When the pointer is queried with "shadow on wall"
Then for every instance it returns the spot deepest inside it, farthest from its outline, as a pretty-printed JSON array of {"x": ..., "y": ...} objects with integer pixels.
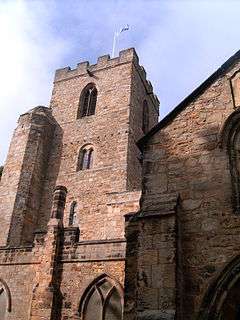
[
  {"x": 1, "y": 171},
  {"x": 193, "y": 166},
  {"x": 52, "y": 170}
]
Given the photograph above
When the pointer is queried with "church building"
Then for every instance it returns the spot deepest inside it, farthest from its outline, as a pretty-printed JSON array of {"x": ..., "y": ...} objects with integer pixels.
[{"x": 108, "y": 214}]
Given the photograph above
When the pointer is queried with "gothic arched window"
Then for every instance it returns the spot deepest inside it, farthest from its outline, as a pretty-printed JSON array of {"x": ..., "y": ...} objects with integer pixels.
[
  {"x": 102, "y": 300},
  {"x": 87, "y": 102},
  {"x": 85, "y": 158},
  {"x": 5, "y": 300},
  {"x": 230, "y": 139},
  {"x": 145, "y": 117},
  {"x": 73, "y": 214}
]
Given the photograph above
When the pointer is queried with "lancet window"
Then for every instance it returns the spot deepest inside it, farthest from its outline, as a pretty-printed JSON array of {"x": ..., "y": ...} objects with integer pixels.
[{"x": 87, "y": 101}]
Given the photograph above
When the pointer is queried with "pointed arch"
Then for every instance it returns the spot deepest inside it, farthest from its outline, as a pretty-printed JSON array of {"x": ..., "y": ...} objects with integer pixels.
[
  {"x": 85, "y": 157},
  {"x": 87, "y": 101},
  {"x": 230, "y": 140},
  {"x": 103, "y": 297},
  {"x": 221, "y": 291},
  {"x": 5, "y": 299}
]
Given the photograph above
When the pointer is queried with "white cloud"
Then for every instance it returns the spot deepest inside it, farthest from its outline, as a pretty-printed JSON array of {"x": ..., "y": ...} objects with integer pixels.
[
  {"x": 180, "y": 43},
  {"x": 29, "y": 54}
]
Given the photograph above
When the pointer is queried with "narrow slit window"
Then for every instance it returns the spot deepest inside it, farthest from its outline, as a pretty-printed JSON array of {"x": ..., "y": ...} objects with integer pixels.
[{"x": 73, "y": 214}]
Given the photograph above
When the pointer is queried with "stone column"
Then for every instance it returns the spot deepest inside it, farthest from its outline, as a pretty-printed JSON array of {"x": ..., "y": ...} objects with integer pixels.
[{"x": 47, "y": 293}]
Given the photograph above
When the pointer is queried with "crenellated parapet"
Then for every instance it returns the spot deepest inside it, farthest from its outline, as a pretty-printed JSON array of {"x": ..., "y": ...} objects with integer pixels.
[{"x": 104, "y": 62}]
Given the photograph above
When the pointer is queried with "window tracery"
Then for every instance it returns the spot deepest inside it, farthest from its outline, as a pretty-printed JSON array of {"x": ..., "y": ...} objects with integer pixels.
[
  {"x": 102, "y": 300},
  {"x": 87, "y": 102}
]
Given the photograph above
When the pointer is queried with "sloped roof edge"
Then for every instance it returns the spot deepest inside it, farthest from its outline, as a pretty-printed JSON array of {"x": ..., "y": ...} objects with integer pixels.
[{"x": 190, "y": 98}]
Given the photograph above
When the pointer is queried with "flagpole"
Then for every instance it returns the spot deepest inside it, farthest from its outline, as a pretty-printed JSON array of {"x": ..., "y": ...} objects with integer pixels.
[
  {"x": 114, "y": 44},
  {"x": 116, "y": 34}
]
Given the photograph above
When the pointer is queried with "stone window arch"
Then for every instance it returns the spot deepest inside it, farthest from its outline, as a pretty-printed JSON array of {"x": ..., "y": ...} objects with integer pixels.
[
  {"x": 222, "y": 299},
  {"x": 73, "y": 214},
  {"x": 87, "y": 101},
  {"x": 85, "y": 158},
  {"x": 5, "y": 300},
  {"x": 102, "y": 300},
  {"x": 145, "y": 117},
  {"x": 230, "y": 140}
]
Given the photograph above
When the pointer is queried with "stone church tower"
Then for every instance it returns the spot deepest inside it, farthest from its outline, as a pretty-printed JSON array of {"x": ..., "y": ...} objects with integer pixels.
[
  {"x": 108, "y": 215},
  {"x": 72, "y": 173}
]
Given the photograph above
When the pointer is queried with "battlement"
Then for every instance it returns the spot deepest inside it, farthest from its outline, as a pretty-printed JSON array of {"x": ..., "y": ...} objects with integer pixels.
[{"x": 103, "y": 62}]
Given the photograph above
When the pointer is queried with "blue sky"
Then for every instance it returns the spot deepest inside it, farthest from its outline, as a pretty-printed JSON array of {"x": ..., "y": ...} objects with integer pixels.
[{"x": 180, "y": 43}]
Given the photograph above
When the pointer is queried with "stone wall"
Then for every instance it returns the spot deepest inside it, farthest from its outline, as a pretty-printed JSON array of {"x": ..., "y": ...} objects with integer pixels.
[
  {"x": 112, "y": 131},
  {"x": 23, "y": 176},
  {"x": 185, "y": 160},
  {"x": 51, "y": 275},
  {"x": 17, "y": 269}
]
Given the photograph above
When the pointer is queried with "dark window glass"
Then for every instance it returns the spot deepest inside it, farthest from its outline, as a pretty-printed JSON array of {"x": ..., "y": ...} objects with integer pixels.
[
  {"x": 73, "y": 214},
  {"x": 87, "y": 103},
  {"x": 90, "y": 159},
  {"x": 92, "y": 102}
]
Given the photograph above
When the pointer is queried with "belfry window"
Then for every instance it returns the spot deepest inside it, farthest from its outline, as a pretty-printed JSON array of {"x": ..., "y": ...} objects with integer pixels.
[
  {"x": 73, "y": 214},
  {"x": 85, "y": 158},
  {"x": 102, "y": 300},
  {"x": 145, "y": 117},
  {"x": 87, "y": 102}
]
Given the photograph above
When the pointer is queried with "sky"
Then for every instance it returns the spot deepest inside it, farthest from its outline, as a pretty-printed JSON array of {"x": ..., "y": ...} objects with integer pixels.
[{"x": 180, "y": 43}]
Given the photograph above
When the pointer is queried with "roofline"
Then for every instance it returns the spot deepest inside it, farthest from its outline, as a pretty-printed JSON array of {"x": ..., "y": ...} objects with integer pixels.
[{"x": 190, "y": 98}]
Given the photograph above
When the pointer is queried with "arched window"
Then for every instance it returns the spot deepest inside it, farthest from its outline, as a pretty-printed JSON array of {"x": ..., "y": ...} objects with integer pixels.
[
  {"x": 87, "y": 102},
  {"x": 73, "y": 214},
  {"x": 85, "y": 158},
  {"x": 102, "y": 300},
  {"x": 230, "y": 140},
  {"x": 5, "y": 300},
  {"x": 145, "y": 117}
]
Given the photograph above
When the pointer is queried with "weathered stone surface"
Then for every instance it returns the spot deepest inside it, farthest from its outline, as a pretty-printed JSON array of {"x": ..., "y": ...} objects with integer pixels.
[
  {"x": 176, "y": 252},
  {"x": 48, "y": 264}
]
